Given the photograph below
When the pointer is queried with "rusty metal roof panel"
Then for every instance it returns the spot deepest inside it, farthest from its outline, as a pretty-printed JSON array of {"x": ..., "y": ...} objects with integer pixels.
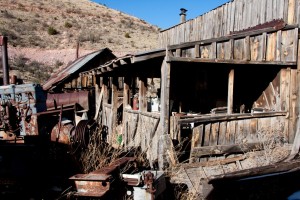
[{"x": 71, "y": 69}]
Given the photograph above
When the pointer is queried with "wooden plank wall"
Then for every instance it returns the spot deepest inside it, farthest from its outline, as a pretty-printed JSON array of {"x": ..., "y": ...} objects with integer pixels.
[
  {"x": 230, "y": 17},
  {"x": 238, "y": 132},
  {"x": 279, "y": 46},
  {"x": 106, "y": 117},
  {"x": 280, "y": 95},
  {"x": 142, "y": 131}
]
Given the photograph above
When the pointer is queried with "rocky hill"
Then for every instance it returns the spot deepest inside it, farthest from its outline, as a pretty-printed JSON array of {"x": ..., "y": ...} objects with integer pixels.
[{"x": 47, "y": 31}]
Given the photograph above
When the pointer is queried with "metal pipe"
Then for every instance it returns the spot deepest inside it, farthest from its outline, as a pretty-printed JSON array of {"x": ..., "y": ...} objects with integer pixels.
[
  {"x": 182, "y": 15},
  {"x": 80, "y": 97},
  {"x": 3, "y": 42}
]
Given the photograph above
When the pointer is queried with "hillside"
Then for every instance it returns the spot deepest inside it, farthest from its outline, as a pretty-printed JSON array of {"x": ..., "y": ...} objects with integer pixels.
[{"x": 48, "y": 31}]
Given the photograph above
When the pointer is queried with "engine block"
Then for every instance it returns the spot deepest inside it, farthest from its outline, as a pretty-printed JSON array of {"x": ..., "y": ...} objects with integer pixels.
[{"x": 19, "y": 105}]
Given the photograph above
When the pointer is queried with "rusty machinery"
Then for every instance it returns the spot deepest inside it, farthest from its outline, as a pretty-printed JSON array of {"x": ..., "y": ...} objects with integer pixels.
[{"x": 27, "y": 110}]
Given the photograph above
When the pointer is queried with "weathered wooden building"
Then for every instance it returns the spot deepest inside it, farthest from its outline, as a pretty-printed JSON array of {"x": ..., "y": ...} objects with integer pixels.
[{"x": 228, "y": 89}]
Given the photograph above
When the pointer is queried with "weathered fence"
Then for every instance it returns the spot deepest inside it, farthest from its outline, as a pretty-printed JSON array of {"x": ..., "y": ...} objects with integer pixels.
[{"x": 141, "y": 129}]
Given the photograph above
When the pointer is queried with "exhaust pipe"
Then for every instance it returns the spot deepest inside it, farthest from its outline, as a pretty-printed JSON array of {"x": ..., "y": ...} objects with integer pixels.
[{"x": 3, "y": 43}]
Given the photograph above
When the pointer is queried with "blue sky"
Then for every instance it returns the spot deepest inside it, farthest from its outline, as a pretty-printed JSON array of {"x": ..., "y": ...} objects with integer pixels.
[{"x": 162, "y": 13}]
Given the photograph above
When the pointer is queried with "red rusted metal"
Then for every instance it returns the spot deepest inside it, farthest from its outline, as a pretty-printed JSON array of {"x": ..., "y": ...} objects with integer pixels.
[
  {"x": 13, "y": 79},
  {"x": 81, "y": 64},
  {"x": 55, "y": 112},
  {"x": 91, "y": 185},
  {"x": 149, "y": 180},
  {"x": 81, "y": 97},
  {"x": 276, "y": 24},
  {"x": 64, "y": 134},
  {"x": 97, "y": 183}
]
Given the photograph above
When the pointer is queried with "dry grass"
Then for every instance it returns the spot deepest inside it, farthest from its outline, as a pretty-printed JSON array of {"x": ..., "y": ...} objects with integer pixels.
[
  {"x": 27, "y": 22},
  {"x": 99, "y": 154},
  {"x": 48, "y": 30}
]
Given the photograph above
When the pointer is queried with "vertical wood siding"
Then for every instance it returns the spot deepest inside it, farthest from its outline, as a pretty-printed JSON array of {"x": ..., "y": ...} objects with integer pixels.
[{"x": 233, "y": 16}]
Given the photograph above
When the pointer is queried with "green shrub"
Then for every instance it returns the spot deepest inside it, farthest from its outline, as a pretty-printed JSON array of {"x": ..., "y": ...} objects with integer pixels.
[
  {"x": 127, "y": 35},
  {"x": 52, "y": 31},
  {"x": 68, "y": 25}
]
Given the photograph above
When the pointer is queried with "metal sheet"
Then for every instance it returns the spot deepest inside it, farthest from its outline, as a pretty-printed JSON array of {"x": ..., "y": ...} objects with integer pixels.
[
  {"x": 71, "y": 69},
  {"x": 81, "y": 97}
]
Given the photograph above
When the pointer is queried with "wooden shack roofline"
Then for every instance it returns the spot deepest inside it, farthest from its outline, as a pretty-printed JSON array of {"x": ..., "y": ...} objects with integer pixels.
[{"x": 175, "y": 51}]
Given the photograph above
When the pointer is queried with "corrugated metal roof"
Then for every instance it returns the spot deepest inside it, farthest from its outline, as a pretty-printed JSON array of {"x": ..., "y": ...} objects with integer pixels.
[{"x": 70, "y": 69}]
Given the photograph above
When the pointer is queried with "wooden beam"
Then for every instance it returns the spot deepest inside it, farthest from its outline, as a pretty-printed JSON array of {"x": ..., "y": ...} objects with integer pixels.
[
  {"x": 247, "y": 49},
  {"x": 126, "y": 93},
  {"x": 225, "y": 149},
  {"x": 225, "y": 117},
  {"x": 142, "y": 94},
  {"x": 197, "y": 51},
  {"x": 230, "y": 91},
  {"x": 204, "y": 60},
  {"x": 165, "y": 109},
  {"x": 105, "y": 91},
  {"x": 178, "y": 53},
  {"x": 147, "y": 114},
  {"x": 291, "y": 166},
  {"x": 296, "y": 143},
  {"x": 213, "y": 162},
  {"x": 264, "y": 46},
  {"x": 231, "y": 43},
  {"x": 213, "y": 52},
  {"x": 148, "y": 56},
  {"x": 114, "y": 102},
  {"x": 227, "y": 38}
]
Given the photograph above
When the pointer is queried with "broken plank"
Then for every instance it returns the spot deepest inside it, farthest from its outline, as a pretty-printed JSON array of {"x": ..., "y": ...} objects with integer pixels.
[{"x": 225, "y": 149}]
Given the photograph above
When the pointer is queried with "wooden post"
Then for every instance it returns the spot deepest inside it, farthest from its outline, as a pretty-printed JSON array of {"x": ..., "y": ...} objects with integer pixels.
[
  {"x": 164, "y": 113},
  {"x": 114, "y": 108},
  {"x": 126, "y": 92},
  {"x": 296, "y": 143},
  {"x": 105, "y": 88},
  {"x": 230, "y": 91},
  {"x": 105, "y": 101},
  {"x": 142, "y": 94},
  {"x": 126, "y": 101}
]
